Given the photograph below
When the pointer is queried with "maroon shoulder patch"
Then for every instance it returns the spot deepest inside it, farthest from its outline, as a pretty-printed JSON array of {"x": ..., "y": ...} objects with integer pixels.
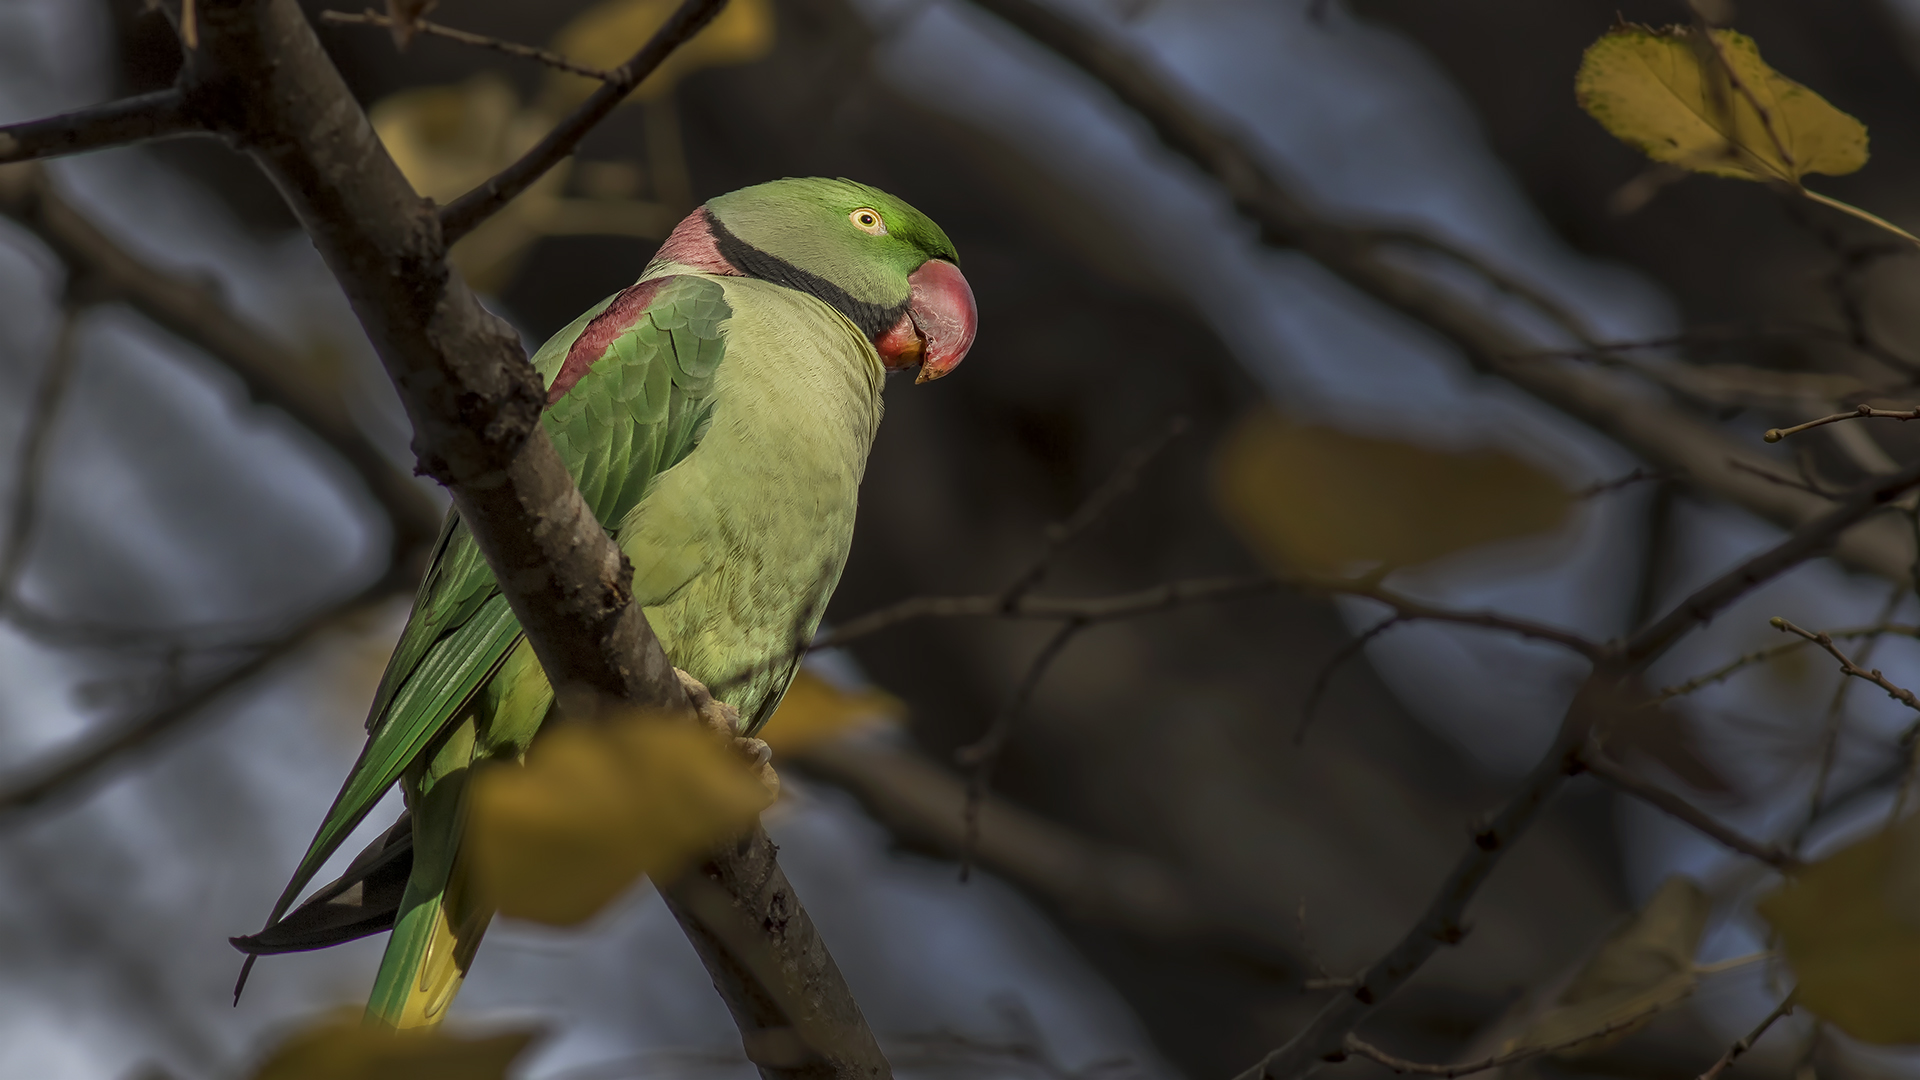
[{"x": 591, "y": 345}]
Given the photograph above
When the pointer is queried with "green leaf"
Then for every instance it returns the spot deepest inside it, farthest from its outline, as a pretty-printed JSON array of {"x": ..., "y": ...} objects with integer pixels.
[
  {"x": 1667, "y": 93},
  {"x": 1849, "y": 927}
]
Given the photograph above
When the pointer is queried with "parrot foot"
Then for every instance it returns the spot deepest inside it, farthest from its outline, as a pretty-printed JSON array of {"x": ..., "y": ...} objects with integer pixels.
[{"x": 724, "y": 720}]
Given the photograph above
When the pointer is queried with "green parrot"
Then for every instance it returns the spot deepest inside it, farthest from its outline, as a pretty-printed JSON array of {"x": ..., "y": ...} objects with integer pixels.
[{"x": 716, "y": 416}]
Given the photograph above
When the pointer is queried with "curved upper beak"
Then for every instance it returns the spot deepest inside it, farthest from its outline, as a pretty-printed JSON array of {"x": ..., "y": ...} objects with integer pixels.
[{"x": 938, "y": 327}]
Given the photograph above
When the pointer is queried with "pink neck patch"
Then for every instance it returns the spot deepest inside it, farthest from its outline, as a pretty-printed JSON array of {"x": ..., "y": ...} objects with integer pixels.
[
  {"x": 627, "y": 309},
  {"x": 692, "y": 244}
]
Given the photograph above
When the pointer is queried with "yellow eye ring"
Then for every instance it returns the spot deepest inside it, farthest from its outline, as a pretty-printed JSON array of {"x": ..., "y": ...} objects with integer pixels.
[{"x": 868, "y": 221}]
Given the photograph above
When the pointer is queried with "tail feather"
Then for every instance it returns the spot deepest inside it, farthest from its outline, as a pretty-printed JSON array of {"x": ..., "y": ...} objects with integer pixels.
[{"x": 433, "y": 944}]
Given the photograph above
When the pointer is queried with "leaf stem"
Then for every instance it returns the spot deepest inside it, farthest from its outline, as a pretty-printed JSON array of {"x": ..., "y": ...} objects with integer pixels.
[{"x": 1870, "y": 218}]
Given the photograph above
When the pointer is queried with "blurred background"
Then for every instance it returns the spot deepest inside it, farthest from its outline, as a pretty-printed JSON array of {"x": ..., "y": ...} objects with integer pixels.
[{"x": 1165, "y": 863}]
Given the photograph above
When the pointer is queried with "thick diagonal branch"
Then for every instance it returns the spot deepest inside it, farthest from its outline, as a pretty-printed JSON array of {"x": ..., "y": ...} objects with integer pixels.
[{"x": 475, "y": 403}]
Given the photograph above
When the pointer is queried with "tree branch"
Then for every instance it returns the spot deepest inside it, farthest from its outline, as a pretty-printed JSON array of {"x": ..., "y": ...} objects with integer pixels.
[
  {"x": 1863, "y": 412},
  {"x": 1847, "y": 667},
  {"x": 422, "y": 26},
  {"x": 1359, "y": 1047},
  {"x": 97, "y": 127},
  {"x": 73, "y": 769},
  {"x": 1610, "y": 771},
  {"x": 1815, "y": 537},
  {"x": 196, "y": 314},
  {"x": 1324, "y": 1039},
  {"x": 475, "y": 403},
  {"x": 1745, "y": 1042},
  {"x": 1664, "y": 436},
  {"x": 464, "y": 214}
]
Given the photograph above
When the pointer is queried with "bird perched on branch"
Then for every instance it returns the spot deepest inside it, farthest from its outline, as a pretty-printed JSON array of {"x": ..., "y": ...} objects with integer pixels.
[{"x": 717, "y": 417}]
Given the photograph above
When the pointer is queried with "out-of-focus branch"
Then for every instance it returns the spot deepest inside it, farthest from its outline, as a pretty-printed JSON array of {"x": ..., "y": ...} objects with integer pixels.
[
  {"x": 923, "y": 803},
  {"x": 1624, "y": 411},
  {"x": 980, "y": 757},
  {"x": 115, "y": 123},
  {"x": 196, "y": 314},
  {"x": 462, "y": 215},
  {"x": 70, "y": 771},
  {"x": 30, "y": 459},
  {"x": 1745, "y": 1042},
  {"x": 421, "y": 26},
  {"x": 1176, "y": 594},
  {"x": 1616, "y": 776},
  {"x": 1118, "y": 484}
]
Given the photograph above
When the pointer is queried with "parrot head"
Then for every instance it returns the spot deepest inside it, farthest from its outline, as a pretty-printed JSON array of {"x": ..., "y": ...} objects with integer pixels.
[{"x": 881, "y": 263}]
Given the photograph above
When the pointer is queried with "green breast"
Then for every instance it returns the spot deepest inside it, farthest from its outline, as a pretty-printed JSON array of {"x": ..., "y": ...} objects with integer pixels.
[{"x": 737, "y": 548}]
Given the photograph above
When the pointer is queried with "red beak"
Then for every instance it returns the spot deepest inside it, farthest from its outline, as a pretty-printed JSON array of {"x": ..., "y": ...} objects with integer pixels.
[{"x": 939, "y": 324}]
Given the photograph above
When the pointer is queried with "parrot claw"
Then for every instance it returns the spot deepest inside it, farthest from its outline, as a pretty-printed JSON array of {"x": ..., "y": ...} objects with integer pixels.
[{"x": 723, "y": 719}]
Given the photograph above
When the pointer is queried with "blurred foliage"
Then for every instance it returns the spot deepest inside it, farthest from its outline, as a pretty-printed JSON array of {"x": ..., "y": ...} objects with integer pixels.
[
  {"x": 598, "y": 805},
  {"x": 450, "y": 139},
  {"x": 815, "y": 711},
  {"x": 1667, "y": 93},
  {"x": 1849, "y": 927},
  {"x": 1642, "y": 968},
  {"x": 340, "y": 1046},
  {"x": 606, "y": 35},
  {"x": 1319, "y": 499}
]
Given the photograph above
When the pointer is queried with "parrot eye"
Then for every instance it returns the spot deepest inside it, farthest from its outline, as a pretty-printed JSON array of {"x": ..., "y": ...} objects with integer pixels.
[{"x": 868, "y": 221}]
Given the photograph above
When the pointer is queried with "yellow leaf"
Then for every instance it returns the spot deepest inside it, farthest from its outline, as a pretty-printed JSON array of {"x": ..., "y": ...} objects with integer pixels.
[
  {"x": 1642, "y": 968},
  {"x": 342, "y": 1047},
  {"x": 1319, "y": 499},
  {"x": 815, "y": 711},
  {"x": 605, "y": 36},
  {"x": 449, "y": 140},
  {"x": 1849, "y": 927},
  {"x": 1665, "y": 92},
  {"x": 595, "y": 807}
]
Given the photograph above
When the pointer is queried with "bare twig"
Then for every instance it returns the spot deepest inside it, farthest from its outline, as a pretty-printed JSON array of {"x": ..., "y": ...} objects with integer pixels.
[
  {"x": 1324, "y": 678},
  {"x": 1179, "y": 594},
  {"x": 1359, "y": 1047},
  {"x": 924, "y": 804},
  {"x": 980, "y": 757},
  {"x": 461, "y": 216},
  {"x": 1813, "y": 538},
  {"x": 1847, "y": 667},
  {"x": 1760, "y": 656},
  {"x": 1615, "y": 775},
  {"x": 1863, "y": 412},
  {"x": 1059, "y": 534},
  {"x": 1745, "y": 1042},
  {"x": 97, "y": 127},
  {"x": 30, "y": 460},
  {"x": 1832, "y": 725},
  {"x": 526, "y": 52},
  {"x": 1640, "y": 474},
  {"x": 1324, "y": 1039},
  {"x": 1772, "y": 477}
]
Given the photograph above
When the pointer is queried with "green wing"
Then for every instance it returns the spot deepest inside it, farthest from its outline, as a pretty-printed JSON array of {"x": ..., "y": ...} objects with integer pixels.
[{"x": 638, "y": 411}]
